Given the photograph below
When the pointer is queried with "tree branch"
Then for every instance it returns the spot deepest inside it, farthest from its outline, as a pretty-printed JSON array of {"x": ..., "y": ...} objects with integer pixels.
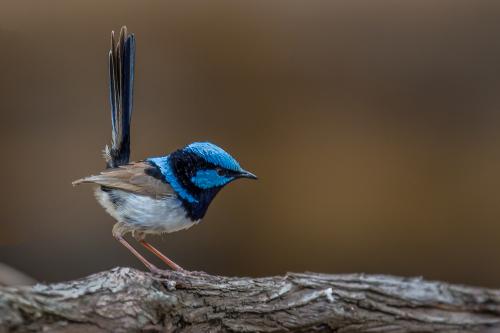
[{"x": 127, "y": 300}]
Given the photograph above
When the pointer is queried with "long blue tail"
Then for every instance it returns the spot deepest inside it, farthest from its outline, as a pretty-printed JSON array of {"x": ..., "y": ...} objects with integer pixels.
[{"x": 121, "y": 89}]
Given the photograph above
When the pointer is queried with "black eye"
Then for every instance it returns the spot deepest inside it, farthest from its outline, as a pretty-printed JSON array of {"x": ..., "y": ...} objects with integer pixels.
[{"x": 220, "y": 171}]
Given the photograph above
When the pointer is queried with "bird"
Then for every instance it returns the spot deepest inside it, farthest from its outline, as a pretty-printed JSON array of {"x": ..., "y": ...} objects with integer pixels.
[{"x": 156, "y": 195}]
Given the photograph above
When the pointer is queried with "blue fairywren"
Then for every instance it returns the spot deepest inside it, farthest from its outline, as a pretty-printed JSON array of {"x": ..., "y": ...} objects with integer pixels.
[{"x": 159, "y": 194}]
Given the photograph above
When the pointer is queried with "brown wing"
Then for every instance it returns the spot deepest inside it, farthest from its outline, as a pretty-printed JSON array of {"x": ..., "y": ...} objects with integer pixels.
[{"x": 131, "y": 177}]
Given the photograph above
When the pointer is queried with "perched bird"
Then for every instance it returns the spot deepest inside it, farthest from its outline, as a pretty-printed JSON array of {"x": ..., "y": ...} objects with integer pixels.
[{"x": 158, "y": 194}]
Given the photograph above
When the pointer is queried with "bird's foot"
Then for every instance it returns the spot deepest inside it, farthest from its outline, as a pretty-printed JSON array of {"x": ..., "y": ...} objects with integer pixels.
[
  {"x": 169, "y": 272},
  {"x": 196, "y": 272},
  {"x": 160, "y": 272}
]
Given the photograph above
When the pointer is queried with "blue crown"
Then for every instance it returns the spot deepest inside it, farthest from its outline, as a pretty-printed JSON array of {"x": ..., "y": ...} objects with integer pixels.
[{"x": 214, "y": 154}]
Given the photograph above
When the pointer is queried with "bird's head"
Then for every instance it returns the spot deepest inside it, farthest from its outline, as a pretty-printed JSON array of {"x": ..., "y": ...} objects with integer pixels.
[{"x": 197, "y": 172}]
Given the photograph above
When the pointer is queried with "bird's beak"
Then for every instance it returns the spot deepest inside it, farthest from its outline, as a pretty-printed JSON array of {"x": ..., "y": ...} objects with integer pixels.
[{"x": 246, "y": 174}]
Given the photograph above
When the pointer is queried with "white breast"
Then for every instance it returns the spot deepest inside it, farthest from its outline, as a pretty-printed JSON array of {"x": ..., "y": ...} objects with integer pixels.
[{"x": 144, "y": 213}]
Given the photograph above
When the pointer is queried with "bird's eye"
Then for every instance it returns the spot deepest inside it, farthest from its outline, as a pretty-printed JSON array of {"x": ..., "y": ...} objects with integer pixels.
[{"x": 220, "y": 171}]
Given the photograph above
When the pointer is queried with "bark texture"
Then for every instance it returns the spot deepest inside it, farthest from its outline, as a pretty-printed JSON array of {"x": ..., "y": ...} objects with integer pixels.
[{"x": 127, "y": 300}]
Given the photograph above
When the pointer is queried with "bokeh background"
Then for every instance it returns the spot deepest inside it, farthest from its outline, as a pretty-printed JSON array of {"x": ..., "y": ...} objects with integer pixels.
[{"x": 374, "y": 127}]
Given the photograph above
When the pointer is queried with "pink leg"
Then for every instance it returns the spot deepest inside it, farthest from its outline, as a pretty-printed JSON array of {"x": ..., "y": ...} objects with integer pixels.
[
  {"x": 160, "y": 255},
  {"x": 146, "y": 263}
]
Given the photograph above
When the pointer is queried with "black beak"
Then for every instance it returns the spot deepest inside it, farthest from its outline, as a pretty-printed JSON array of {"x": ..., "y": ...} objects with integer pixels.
[{"x": 246, "y": 174}]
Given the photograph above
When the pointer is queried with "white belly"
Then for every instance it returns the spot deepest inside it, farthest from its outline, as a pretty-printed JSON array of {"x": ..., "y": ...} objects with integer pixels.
[{"x": 143, "y": 213}]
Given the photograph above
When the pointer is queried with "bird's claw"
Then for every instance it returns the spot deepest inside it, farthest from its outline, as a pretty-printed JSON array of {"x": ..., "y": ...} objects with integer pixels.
[
  {"x": 196, "y": 272},
  {"x": 160, "y": 272},
  {"x": 168, "y": 272}
]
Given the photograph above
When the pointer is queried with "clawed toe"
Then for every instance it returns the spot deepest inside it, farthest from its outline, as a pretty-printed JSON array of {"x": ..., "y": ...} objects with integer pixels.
[
  {"x": 195, "y": 272},
  {"x": 160, "y": 272},
  {"x": 168, "y": 272},
  {"x": 173, "y": 268}
]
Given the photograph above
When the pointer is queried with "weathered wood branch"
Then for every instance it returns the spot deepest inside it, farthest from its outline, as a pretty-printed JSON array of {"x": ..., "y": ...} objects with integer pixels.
[{"x": 127, "y": 300}]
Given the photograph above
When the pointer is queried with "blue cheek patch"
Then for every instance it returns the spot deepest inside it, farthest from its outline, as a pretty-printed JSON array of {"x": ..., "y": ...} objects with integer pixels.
[{"x": 206, "y": 179}]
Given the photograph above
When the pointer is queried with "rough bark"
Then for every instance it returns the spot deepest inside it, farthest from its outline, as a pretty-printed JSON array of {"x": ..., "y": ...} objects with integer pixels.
[{"x": 127, "y": 300}]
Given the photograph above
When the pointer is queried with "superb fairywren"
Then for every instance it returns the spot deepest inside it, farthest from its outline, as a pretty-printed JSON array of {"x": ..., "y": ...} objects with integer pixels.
[{"x": 159, "y": 194}]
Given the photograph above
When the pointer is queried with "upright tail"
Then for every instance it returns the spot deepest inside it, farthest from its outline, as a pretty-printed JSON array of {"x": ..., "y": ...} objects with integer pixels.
[{"x": 121, "y": 88}]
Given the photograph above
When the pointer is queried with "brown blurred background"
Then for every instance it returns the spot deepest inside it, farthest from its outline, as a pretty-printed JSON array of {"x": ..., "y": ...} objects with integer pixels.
[{"x": 374, "y": 127}]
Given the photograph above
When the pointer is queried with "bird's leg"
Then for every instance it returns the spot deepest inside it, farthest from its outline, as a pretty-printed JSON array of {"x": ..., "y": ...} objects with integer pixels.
[
  {"x": 146, "y": 263},
  {"x": 119, "y": 237},
  {"x": 160, "y": 255},
  {"x": 140, "y": 238}
]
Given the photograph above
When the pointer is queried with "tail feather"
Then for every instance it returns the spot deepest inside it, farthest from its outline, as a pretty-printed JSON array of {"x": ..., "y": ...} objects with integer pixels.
[{"x": 121, "y": 86}]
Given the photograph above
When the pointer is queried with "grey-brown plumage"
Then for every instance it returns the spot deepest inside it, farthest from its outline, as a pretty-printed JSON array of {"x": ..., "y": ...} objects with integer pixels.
[
  {"x": 134, "y": 178},
  {"x": 141, "y": 202}
]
